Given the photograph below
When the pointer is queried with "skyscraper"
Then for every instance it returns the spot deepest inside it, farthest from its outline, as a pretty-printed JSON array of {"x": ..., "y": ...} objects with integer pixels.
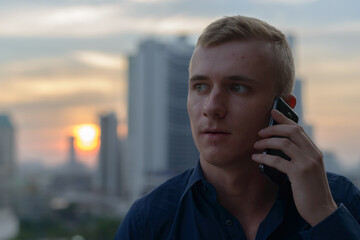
[
  {"x": 160, "y": 141},
  {"x": 72, "y": 157},
  {"x": 109, "y": 168},
  {"x": 7, "y": 157},
  {"x": 298, "y": 92},
  {"x": 9, "y": 225},
  {"x": 73, "y": 166},
  {"x": 299, "y": 108}
]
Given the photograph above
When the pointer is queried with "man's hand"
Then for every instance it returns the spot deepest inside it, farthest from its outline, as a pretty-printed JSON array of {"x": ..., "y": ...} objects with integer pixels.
[{"x": 305, "y": 171}]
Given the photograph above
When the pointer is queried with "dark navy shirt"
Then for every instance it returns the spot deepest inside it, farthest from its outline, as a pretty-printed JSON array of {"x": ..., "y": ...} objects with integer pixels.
[{"x": 186, "y": 207}]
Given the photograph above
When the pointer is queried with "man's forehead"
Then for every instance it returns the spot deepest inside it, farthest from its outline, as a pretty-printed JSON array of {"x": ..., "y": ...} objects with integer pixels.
[
  {"x": 236, "y": 60},
  {"x": 234, "y": 49}
]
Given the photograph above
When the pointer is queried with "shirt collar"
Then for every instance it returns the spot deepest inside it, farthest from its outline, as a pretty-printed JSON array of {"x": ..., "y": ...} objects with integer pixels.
[{"x": 197, "y": 175}]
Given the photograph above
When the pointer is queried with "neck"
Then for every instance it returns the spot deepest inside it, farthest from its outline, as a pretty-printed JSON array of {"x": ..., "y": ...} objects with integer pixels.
[
  {"x": 243, "y": 191},
  {"x": 240, "y": 179}
]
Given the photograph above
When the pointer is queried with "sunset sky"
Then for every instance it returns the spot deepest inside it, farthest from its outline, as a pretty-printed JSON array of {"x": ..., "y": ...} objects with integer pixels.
[{"x": 64, "y": 63}]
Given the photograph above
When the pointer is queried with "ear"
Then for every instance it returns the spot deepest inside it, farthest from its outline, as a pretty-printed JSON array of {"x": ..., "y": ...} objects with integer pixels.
[{"x": 290, "y": 100}]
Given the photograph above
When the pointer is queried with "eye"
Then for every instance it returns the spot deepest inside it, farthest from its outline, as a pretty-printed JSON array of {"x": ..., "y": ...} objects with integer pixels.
[
  {"x": 239, "y": 88},
  {"x": 200, "y": 87}
]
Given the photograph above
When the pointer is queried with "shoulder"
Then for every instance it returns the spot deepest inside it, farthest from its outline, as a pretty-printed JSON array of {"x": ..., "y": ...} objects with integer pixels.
[
  {"x": 168, "y": 193},
  {"x": 344, "y": 191},
  {"x": 156, "y": 209}
]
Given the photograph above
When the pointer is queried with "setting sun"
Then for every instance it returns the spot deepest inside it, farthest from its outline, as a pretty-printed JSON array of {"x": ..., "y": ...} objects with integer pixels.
[{"x": 86, "y": 136}]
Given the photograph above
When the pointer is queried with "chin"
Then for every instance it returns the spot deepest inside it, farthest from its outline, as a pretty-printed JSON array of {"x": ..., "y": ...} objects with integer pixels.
[{"x": 221, "y": 159}]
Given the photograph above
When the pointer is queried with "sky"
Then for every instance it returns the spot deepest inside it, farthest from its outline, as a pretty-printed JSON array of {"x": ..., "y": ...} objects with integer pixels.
[{"x": 64, "y": 63}]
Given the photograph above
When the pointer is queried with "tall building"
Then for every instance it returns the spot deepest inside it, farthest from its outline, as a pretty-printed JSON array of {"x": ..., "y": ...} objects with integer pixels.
[
  {"x": 298, "y": 92},
  {"x": 160, "y": 141},
  {"x": 7, "y": 158},
  {"x": 109, "y": 168},
  {"x": 73, "y": 165},
  {"x": 72, "y": 155},
  {"x": 9, "y": 225}
]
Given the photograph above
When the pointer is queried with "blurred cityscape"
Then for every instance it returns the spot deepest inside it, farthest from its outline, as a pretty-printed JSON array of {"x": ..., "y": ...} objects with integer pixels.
[{"x": 76, "y": 202}]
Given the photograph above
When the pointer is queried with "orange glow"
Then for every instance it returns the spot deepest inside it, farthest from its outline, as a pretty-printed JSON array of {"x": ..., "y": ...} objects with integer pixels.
[{"x": 86, "y": 136}]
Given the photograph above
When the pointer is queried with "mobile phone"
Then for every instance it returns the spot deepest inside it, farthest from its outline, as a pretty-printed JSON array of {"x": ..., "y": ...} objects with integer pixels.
[{"x": 274, "y": 174}]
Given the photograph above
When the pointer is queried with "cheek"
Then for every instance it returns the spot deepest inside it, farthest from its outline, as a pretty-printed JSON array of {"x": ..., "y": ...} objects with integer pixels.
[
  {"x": 260, "y": 118},
  {"x": 252, "y": 119},
  {"x": 194, "y": 109}
]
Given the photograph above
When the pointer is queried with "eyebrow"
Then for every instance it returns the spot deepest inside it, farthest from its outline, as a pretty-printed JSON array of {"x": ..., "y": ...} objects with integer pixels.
[
  {"x": 240, "y": 78},
  {"x": 198, "y": 77},
  {"x": 235, "y": 78}
]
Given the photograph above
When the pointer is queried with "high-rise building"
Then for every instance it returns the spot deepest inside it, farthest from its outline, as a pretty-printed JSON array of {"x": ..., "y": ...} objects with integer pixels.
[
  {"x": 9, "y": 225},
  {"x": 72, "y": 155},
  {"x": 299, "y": 108},
  {"x": 298, "y": 92},
  {"x": 7, "y": 157},
  {"x": 7, "y": 146},
  {"x": 109, "y": 165},
  {"x": 160, "y": 141},
  {"x": 73, "y": 165}
]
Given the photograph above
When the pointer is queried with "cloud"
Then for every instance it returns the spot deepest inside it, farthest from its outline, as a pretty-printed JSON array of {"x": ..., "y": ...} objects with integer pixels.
[
  {"x": 352, "y": 27},
  {"x": 75, "y": 63},
  {"x": 317, "y": 29},
  {"x": 53, "y": 21},
  {"x": 59, "y": 81},
  {"x": 90, "y": 21},
  {"x": 101, "y": 60}
]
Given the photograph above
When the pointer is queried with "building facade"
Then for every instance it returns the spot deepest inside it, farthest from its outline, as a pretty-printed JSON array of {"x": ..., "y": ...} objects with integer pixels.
[
  {"x": 9, "y": 225},
  {"x": 160, "y": 143},
  {"x": 109, "y": 165},
  {"x": 7, "y": 158}
]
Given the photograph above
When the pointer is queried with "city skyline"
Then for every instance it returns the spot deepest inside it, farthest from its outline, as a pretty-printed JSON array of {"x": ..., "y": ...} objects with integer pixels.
[{"x": 64, "y": 64}]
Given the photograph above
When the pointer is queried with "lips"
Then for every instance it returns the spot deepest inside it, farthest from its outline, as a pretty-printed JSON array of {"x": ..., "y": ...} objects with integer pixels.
[
  {"x": 215, "y": 132},
  {"x": 214, "y": 129}
]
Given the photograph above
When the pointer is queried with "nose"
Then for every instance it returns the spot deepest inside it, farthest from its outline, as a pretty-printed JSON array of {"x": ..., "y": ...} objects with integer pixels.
[{"x": 215, "y": 104}]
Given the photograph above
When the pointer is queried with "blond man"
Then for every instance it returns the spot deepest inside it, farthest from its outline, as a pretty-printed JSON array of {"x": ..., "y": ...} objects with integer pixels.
[{"x": 239, "y": 66}]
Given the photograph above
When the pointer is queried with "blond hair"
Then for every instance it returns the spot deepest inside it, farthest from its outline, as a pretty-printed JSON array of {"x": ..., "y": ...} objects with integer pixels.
[{"x": 242, "y": 28}]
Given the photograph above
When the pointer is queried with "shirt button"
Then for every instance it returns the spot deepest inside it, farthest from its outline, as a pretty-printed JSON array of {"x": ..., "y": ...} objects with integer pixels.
[{"x": 229, "y": 222}]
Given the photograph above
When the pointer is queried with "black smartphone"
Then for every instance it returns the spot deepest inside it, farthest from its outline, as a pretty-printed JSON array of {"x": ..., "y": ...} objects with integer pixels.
[{"x": 275, "y": 175}]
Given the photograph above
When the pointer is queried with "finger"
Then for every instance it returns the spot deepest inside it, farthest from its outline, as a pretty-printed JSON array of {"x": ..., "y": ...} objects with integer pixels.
[
  {"x": 276, "y": 162},
  {"x": 278, "y": 128},
  {"x": 280, "y": 118},
  {"x": 292, "y": 131},
  {"x": 283, "y": 144}
]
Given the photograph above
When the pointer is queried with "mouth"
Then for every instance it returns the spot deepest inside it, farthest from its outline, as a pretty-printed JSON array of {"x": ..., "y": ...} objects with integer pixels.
[
  {"x": 215, "y": 132},
  {"x": 215, "y": 136}
]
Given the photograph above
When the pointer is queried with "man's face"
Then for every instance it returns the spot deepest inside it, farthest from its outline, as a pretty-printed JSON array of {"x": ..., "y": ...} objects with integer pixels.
[{"x": 231, "y": 90}]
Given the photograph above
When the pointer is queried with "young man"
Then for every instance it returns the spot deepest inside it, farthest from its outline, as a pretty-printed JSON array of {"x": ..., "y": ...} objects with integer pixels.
[{"x": 239, "y": 66}]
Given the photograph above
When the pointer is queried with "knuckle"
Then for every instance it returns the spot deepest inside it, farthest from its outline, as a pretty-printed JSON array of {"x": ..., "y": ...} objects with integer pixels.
[
  {"x": 296, "y": 130},
  {"x": 276, "y": 160},
  {"x": 308, "y": 167},
  {"x": 285, "y": 142}
]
